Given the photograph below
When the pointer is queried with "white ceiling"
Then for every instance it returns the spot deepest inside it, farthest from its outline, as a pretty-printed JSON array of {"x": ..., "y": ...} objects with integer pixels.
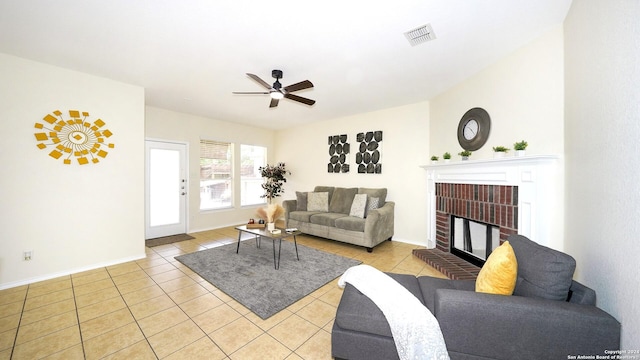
[{"x": 189, "y": 55}]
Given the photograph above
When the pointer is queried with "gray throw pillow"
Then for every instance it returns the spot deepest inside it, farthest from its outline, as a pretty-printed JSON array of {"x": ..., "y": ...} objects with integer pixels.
[
  {"x": 318, "y": 201},
  {"x": 380, "y": 193},
  {"x": 301, "y": 201},
  {"x": 372, "y": 204},
  {"x": 358, "y": 206},
  {"x": 542, "y": 272}
]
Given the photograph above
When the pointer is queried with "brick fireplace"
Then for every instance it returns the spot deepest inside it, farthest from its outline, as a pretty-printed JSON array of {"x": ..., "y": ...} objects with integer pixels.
[
  {"x": 519, "y": 195},
  {"x": 490, "y": 204}
]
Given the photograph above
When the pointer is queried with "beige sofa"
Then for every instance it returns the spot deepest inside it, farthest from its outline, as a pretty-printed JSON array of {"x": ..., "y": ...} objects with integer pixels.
[{"x": 336, "y": 213}]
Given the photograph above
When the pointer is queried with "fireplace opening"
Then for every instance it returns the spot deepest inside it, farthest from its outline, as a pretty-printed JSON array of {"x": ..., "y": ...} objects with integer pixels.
[{"x": 473, "y": 241}]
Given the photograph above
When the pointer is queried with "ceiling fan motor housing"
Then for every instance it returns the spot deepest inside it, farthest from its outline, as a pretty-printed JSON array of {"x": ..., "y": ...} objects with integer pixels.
[{"x": 277, "y": 74}]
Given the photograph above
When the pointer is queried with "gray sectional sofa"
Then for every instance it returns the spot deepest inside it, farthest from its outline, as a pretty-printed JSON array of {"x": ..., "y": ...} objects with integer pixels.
[
  {"x": 549, "y": 316},
  {"x": 337, "y": 213}
]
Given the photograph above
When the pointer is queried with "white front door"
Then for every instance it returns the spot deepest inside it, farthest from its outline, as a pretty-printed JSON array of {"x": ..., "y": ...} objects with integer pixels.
[{"x": 165, "y": 188}]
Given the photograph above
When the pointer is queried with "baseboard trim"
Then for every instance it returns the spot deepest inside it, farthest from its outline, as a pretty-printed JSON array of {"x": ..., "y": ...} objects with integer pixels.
[{"x": 32, "y": 280}]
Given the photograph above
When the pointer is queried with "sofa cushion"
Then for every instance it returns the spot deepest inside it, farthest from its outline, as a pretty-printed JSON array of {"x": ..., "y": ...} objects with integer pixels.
[
  {"x": 303, "y": 216},
  {"x": 380, "y": 193},
  {"x": 358, "y": 313},
  {"x": 326, "y": 219},
  {"x": 358, "y": 206},
  {"x": 498, "y": 274},
  {"x": 341, "y": 200},
  {"x": 542, "y": 272},
  {"x": 301, "y": 201},
  {"x": 318, "y": 201},
  {"x": 350, "y": 223}
]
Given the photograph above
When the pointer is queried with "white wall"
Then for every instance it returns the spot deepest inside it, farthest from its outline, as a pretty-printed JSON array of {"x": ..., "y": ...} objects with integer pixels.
[
  {"x": 72, "y": 217},
  {"x": 168, "y": 125},
  {"x": 405, "y": 147},
  {"x": 524, "y": 96},
  {"x": 602, "y": 172}
]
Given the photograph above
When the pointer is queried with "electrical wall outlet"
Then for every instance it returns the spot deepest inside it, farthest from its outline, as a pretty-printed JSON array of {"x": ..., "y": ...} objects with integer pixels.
[{"x": 28, "y": 255}]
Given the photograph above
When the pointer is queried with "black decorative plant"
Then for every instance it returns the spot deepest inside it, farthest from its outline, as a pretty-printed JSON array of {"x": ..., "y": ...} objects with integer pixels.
[{"x": 274, "y": 179}]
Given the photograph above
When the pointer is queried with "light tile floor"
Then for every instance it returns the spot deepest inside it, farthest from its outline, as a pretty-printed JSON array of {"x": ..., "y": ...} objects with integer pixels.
[{"x": 156, "y": 308}]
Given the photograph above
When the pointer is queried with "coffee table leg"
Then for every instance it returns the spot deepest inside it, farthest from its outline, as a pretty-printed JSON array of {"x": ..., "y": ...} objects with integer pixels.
[
  {"x": 275, "y": 265},
  {"x": 239, "y": 236},
  {"x": 296, "y": 244},
  {"x": 279, "y": 248}
]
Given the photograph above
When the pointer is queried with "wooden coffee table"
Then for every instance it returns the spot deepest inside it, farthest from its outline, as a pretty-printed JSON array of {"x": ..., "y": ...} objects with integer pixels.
[{"x": 264, "y": 233}]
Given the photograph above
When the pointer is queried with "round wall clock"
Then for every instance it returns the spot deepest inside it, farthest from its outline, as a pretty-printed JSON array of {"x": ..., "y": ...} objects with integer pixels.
[{"x": 473, "y": 129}]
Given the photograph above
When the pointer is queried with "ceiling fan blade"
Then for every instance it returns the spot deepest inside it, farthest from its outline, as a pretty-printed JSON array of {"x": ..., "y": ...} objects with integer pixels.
[
  {"x": 259, "y": 81},
  {"x": 300, "y": 99},
  {"x": 250, "y": 92},
  {"x": 274, "y": 103},
  {"x": 299, "y": 86}
]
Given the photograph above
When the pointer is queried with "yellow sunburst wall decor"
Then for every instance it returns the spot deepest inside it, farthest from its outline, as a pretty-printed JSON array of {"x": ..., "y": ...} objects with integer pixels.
[{"x": 74, "y": 137}]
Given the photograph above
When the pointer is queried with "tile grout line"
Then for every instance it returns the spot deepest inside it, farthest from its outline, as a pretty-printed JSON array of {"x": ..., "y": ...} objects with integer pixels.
[
  {"x": 75, "y": 304},
  {"x": 15, "y": 338}
]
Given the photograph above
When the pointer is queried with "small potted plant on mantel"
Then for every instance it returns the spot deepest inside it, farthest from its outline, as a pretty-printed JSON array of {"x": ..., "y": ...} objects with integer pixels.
[
  {"x": 499, "y": 151},
  {"x": 434, "y": 159},
  {"x": 520, "y": 148},
  {"x": 446, "y": 156},
  {"x": 465, "y": 155}
]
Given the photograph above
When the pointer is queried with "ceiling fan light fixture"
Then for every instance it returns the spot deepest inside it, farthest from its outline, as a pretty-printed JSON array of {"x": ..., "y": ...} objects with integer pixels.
[{"x": 276, "y": 95}]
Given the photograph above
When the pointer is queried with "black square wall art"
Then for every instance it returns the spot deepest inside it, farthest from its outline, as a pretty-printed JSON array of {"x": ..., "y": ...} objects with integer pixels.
[
  {"x": 338, "y": 154},
  {"x": 369, "y": 152}
]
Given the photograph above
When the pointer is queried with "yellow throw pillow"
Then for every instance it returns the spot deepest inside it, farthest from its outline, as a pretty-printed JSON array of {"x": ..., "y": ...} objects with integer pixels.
[{"x": 498, "y": 275}]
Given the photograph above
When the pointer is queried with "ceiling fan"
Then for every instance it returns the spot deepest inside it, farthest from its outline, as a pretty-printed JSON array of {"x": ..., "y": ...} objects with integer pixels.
[{"x": 277, "y": 92}]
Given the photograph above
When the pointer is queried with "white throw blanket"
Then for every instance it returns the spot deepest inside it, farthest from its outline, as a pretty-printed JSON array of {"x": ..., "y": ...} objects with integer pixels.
[{"x": 415, "y": 330}]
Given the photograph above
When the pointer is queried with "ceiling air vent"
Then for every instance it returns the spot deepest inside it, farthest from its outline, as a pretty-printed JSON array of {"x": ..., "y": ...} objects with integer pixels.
[{"x": 420, "y": 34}]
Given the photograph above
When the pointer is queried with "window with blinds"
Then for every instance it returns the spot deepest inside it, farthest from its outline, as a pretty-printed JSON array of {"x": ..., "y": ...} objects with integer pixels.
[{"x": 216, "y": 174}]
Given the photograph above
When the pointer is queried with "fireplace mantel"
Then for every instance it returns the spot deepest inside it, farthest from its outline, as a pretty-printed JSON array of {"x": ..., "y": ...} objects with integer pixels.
[{"x": 537, "y": 177}]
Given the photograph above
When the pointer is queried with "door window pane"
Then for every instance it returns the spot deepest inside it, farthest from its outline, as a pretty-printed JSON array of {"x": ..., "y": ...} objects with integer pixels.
[
  {"x": 164, "y": 187},
  {"x": 216, "y": 180},
  {"x": 252, "y": 158}
]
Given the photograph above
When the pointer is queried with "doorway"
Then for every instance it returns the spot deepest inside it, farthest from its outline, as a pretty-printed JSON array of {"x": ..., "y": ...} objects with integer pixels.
[{"x": 165, "y": 188}]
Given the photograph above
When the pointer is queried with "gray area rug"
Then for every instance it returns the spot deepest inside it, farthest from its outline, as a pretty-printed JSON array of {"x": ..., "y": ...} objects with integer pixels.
[
  {"x": 250, "y": 278},
  {"x": 167, "y": 240}
]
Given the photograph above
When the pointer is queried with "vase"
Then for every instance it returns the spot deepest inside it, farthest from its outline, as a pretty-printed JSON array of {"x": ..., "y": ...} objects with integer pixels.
[
  {"x": 498, "y": 154},
  {"x": 465, "y": 158},
  {"x": 271, "y": 226},
  {"x": 446, "y": 160},
  {"x": 520, "y": 153}
]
